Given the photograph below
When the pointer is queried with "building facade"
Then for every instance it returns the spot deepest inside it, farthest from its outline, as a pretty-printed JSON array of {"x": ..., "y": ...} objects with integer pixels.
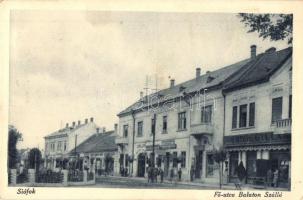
[
  {"x": 258, "y": 118},
  {"x": 98, "y": 153},
  {"x": 60, "y": 143},
  {"x": 187, "y": 123}
]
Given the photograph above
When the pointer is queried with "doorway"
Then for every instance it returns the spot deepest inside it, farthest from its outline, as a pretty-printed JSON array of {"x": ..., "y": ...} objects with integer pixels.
[
  {"x": 199, "y": 160},
  {"x": 141, "y": 165}
]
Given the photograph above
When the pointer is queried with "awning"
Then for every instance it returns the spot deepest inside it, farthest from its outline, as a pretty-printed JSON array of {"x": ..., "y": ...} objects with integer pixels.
[{"x": 261, "y": 147}]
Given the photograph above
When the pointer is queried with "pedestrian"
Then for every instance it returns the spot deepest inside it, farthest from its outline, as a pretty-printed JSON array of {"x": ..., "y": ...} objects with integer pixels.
[
  {"x": 155, "y": 174},
  {"x": 179, "y": 174},
  {"x": 149, "y": 174},
  {"x": 276, "y": 177},
  {"x": 171, "y": 175},
  {"x": 192, "y": 172},
  {"x": 161, "y": 175},
  {"x": 269, "y": 176}
]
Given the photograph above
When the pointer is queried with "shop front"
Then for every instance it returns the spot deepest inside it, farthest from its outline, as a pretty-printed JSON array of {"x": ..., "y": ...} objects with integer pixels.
[{"x": 265, "y": 157}]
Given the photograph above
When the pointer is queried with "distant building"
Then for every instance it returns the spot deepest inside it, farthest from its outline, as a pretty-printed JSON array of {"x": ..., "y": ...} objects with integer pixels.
[
  {"x": 258, "y": 117},
  {"x": 61, "y": 142},
  {"x": 98, "y": 153}
]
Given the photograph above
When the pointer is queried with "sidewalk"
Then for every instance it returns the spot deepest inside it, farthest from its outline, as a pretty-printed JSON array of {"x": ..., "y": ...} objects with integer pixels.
[{"x": 229, "y": 186}]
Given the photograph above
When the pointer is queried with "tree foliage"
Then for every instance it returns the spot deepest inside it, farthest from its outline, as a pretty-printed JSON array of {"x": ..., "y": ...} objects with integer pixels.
[
  {"x": 34, "y": 158},
  {"x": 13, "y": 137},
  {"x": 273, "y": 26}
]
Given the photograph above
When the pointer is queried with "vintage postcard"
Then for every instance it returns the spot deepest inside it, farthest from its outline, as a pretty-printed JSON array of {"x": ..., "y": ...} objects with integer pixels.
[{"x": 141, "y": 100}]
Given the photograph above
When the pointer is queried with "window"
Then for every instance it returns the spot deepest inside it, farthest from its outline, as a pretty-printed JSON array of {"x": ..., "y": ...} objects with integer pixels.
[
  {"x": 65, "y": 146},
  {"x": 140, "y": 129},
  {"x": 164, "y": 124},
  {"x": 206, "y": 114},
  {"x": 290, "y": 106},
  {"x": 183, "y": 159},
  {"x": 251, "y": 114},
  {"x": 59, "y": 146},
  {"x": 153, "y": 126},
  {"x": 234, "y": 118},
  {"x": 276, "y": 109},
  {"x": 125, "y": 131},
  {"x": 181, "y": 121},
  {"x": 52, "y": 146},
  {"x": 175, "y": 159},
  {"x": 243, "y": 116},
  {"x": 210, "y": 165}
]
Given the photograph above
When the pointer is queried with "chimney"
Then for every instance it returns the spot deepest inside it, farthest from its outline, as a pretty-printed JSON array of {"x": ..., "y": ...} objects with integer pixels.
[
  {"x": 172, "y": 83},
  {"x": 116, "y": 128},
  {"x": 198, "y": 72},
  {"x": 91, "y": 119},
  {"x": 271, "y": 50},
  {"x": 103, "y": 129},
  {"x": 86, "y": 120},
  {"x": 67, "y": 125},
  {"x": 97, "y": 129},
  {"x": 253, "y": 51},
  {"x": 141, "y": 95},
  {"x": 79, "y": 122},
  {"x": 74, "y": 124}
]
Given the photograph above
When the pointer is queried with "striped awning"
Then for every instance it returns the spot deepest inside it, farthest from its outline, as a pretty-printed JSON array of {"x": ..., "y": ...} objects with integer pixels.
[{"x": 261, "y": 147}]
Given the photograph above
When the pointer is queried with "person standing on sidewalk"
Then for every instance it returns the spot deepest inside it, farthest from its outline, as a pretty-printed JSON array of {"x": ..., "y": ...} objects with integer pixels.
[
  {"x": 161, "y": 175},
  {"x": 276, "y": 177},
  {"x": 149, "y": 174},
  {"x": 192, "y": 173},
  {"x": 179, "y": 174},
  {"x": 171, "y": 175}
]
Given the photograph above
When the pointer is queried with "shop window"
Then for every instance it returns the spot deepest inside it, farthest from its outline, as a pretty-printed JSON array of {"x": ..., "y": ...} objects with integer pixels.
[
  {"x": 210, "y": 165},
  {"x": 234, "y": 117},
  {"x": 175, "y": 159},
  {"x": 182, "y": 121},
  {"x": 140, "y": 129},
  {"x": 183, "y": 159},
  {"x": 243, "y": 116},
  {"x": 125, "y": 130},
  {"x": 276, "y": 109},
  {"x": 251, "y": 163},
  {"x": 206, "y": 114},
  {"x": 164, "y": 124},
  {"x": 233, "y": 163}
]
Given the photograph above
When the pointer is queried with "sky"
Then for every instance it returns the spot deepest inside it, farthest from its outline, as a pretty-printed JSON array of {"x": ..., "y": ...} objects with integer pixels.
[{"x": 66, "y": 66}]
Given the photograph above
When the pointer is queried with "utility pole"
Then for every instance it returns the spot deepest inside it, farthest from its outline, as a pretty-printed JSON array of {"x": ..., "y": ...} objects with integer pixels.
[{"x": 154, "y": 136}]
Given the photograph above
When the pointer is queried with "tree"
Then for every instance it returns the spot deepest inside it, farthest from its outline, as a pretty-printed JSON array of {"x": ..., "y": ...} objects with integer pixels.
[
  {"x": 219, "y": 156},
  {"x": 34, "y": 158},
  {"x": 273, "y": 26},
  {"x": 13, "y": 137}
]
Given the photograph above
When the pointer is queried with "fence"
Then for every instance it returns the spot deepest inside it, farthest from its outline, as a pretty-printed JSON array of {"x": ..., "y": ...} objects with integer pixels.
[{"x": 49, "y": 177}]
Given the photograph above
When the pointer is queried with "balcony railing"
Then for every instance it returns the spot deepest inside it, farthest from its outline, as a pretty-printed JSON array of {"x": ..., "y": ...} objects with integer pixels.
[
  {"x": 121, "y": 140},
  {"x": 283, "y": 126},
  {"x": 196, "y": 129}
]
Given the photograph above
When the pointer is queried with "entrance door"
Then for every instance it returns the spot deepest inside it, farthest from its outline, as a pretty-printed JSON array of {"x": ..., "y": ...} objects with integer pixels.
[
  {"x": 141, "y": 165},
  {"x": 199, "y": 159},
  {"x": 166, "y": 164}
]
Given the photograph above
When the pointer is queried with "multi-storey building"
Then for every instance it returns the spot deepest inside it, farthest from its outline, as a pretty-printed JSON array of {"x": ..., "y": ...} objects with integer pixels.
[
  {"x": 61, "y": 142},
  {"x": 187, "y": 120},
  {"x": 258, "y": 117}
]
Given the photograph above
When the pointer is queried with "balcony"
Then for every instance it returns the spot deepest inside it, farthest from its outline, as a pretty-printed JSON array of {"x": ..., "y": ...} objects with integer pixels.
[
  {"x": 283, "y": 126},
  {"x": 121, "y": 140},
  {"x": 197, "y": 129}
]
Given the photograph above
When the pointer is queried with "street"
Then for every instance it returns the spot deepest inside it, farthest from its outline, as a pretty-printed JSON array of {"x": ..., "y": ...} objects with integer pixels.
[{"x": 137, "y": 183}]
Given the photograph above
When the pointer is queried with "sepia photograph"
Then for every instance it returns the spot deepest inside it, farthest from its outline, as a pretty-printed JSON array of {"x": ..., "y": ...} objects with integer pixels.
[{"x": 148, "y": 100}]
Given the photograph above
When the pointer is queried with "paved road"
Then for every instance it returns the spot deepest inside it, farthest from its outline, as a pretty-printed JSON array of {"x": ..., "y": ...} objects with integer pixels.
[{"x": 122, "y": 182}]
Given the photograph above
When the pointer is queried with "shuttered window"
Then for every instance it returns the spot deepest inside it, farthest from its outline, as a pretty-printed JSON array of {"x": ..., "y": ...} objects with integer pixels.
[{"x": 234, "y": 117}]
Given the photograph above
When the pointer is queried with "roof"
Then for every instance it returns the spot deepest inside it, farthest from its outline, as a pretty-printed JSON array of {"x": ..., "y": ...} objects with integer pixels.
[
  {"x": 97, "y": 143},
  {"x": 64, "y": 131},
  {"x": 207, "y": 80},
  {"x": 258, "y": 70}
]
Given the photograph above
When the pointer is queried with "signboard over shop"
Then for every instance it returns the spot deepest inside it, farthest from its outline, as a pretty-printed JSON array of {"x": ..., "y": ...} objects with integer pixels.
[{"x": 165, "y": 144}]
